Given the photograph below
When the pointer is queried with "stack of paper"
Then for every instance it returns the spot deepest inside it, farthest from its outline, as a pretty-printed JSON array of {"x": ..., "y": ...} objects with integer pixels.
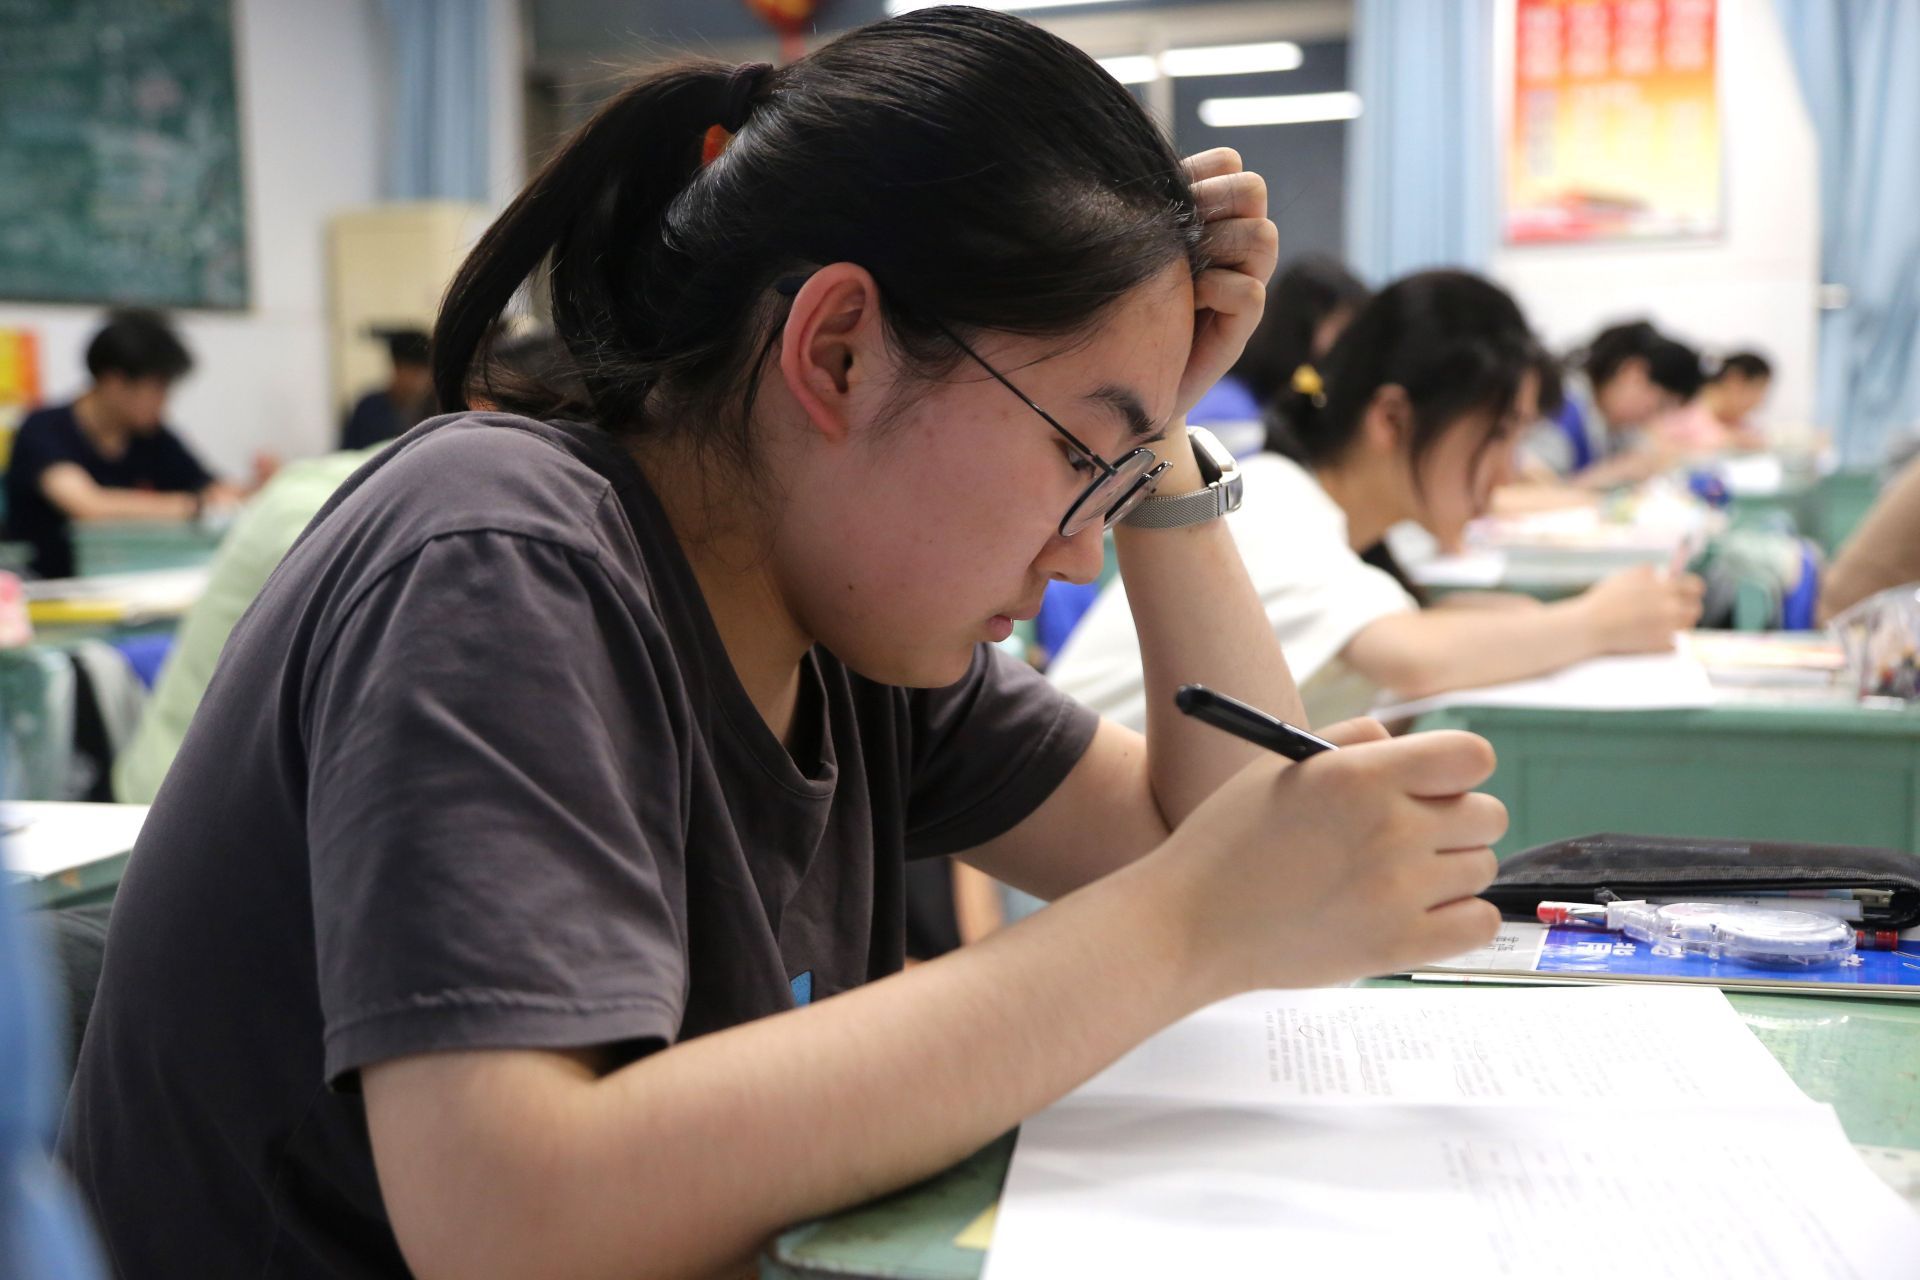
[
  {"x": 1591, "y": 1132},
  {"x": 1638, "y": 682}
]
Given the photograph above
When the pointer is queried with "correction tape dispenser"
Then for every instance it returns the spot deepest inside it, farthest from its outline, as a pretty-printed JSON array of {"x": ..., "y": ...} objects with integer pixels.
[{"x": 1762, "y": 936}]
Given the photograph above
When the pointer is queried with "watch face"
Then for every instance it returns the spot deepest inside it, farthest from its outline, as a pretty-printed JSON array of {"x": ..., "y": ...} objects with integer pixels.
[{"x": 1214, "y": 458}]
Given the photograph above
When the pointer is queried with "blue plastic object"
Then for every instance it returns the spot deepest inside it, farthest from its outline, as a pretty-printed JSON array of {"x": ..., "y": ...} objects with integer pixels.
[{"x": 145, "y": 654}]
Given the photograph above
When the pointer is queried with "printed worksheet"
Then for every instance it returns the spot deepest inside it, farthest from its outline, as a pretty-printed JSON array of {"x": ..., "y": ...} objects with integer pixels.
[{"x": 1498, "y": 1132}]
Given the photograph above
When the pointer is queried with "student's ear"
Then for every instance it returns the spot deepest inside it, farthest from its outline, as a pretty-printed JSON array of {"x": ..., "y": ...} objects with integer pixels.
[
  {"x": 1387, "y": 426},
  {"x": 830, "y": 341}
]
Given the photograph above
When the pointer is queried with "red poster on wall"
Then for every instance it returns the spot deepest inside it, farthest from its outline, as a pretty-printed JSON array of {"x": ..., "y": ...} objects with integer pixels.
[{"x": 1615, "y": 130}]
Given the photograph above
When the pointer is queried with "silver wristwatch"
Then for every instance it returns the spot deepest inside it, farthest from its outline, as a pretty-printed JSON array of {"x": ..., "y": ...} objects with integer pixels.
[{"x": 1221, "y": 494}]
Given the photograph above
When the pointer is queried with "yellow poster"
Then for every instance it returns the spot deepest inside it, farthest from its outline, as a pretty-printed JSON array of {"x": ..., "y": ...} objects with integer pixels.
[
  {"x": 19, "y": 377},
  {"x": 1615, "y": 122}
]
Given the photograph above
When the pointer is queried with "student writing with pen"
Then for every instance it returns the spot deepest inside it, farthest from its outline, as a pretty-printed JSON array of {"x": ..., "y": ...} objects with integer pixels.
[
  {"x": 525, "y": 898},
  {"x": 1417, "y": 417}
]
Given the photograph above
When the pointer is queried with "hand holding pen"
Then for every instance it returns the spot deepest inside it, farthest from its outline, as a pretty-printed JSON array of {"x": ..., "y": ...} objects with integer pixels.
[{"x": 1366, "y": 859}]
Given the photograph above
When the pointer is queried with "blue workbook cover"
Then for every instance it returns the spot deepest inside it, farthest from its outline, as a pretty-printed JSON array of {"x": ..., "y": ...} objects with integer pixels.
[{"x": 1528, "y": 952}]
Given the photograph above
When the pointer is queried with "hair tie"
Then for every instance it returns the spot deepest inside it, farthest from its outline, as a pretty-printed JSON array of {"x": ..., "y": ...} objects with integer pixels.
[
  {"x": 1306, "y": 381},
  {"x": 743, "y": 83}
]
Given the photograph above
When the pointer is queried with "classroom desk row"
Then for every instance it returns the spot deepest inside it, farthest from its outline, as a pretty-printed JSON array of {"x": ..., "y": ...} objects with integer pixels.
[
  {"x": 1772, "y": 764},
  {"x": 1860, "y": 1056}
]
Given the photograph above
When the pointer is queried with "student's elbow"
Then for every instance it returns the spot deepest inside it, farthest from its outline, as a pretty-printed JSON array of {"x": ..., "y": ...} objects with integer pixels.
[{"x": 1387, "y": 655}]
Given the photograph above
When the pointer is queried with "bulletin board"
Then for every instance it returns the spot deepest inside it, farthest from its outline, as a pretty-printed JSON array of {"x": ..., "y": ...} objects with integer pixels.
[
  {"x": 1615, "y": 122},
  {"x": 120, "y": 176}
]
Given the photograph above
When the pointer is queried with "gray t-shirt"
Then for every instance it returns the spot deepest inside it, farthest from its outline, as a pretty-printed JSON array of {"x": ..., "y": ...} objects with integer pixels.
[{"x": 474, "y": 772}]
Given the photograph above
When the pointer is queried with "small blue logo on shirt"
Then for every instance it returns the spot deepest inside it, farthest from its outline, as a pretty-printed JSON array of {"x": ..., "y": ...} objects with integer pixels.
[{"x": 802, "y": 990}]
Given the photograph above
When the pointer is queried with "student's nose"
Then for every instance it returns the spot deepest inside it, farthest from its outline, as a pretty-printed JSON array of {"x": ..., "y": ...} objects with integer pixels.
[{"x": 1077, "y": 558}]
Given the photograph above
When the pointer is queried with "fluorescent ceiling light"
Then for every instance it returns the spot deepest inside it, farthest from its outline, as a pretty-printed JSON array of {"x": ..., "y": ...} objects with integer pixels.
[
  {"x": 1133, "y": 68},
  {"x": 1292, "y": 108},
  {"x": 1004, "y": 6},
  {"x": 1231, "y": 59}
]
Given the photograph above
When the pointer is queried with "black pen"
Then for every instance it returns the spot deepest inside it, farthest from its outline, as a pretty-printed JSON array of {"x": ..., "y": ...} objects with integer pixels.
[{"x": 1250, "y": 724}]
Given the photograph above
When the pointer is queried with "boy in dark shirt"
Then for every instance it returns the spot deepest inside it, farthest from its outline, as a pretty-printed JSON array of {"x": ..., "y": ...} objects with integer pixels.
[
  {"x": 108, "y": 455},
  {"x": 406, "y": 401}
]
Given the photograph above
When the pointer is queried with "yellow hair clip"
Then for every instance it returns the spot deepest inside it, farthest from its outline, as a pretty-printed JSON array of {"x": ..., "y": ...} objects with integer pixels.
[{"x": 1306, "y": 380}]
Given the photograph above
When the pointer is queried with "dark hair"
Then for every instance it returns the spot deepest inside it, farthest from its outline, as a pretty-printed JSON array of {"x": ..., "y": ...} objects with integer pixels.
[
  {"x": 1300, "y": 298},
  {"x": 1750, "y": 365},
  {"x": 406, "y": 346},
  {"x": 1671, "y": 365},
  {"x": 136, "y": 343},
  {"x": 533, "y": 371},
  {"x": 1454, "y": 342},
  {"x": 987, "y": 174}
]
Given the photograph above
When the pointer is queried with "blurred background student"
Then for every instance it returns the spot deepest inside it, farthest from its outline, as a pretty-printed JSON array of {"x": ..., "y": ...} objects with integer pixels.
[
  {"x": 1425, "y": 397},
  {"x": 1720, "y": 418},
  {"x": 109, "y": 455},
  {"x": 1628, "y": 376},
  {"x": 388, "y": 412}
]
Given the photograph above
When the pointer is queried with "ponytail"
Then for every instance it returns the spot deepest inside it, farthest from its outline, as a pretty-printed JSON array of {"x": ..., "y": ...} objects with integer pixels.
[
  {"x": 907, "y": 146},
  {"x": 592, "y": 214}
]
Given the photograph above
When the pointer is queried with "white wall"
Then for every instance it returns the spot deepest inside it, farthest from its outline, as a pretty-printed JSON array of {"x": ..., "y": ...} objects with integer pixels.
[
  {"x": 312, "y": 86},
  {"x": 1754, "y": 286}
]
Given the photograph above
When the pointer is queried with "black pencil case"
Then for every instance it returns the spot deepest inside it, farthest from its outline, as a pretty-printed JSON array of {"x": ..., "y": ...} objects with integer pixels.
[{"x": 1623, "y": 868}]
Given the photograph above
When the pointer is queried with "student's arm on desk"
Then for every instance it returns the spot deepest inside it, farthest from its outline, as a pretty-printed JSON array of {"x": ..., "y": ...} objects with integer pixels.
[
  {"x": 514, "y": 1163},
  {"x": 68, "y": 486},
  {"x": 1428, "y": 651}
]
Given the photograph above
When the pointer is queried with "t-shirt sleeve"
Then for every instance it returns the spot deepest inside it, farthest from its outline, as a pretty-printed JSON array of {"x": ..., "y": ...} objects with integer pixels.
[
  {"x": 494, "y": 820},
  {"x": 39, "y": 445},
  {"x": 176, "y": 468},
  {"x": 987, "y": 751}
]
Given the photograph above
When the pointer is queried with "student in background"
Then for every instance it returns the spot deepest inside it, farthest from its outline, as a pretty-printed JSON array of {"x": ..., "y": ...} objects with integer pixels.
[
  {"x": 1883, "y": 552},
  {"x": 406, "y": 400},
  {"x": 1425, "y": 395},
  {"x": 525, "y": 897},
  {"x": 1720, "y": 417},
  {"x": 109, "y": 455},
  {"x": 1628, "y": 376}
]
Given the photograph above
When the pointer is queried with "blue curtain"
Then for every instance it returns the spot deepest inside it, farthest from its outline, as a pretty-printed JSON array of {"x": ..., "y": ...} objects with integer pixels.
[
  {"x": 1420, "y": 185},
  {"x": 437, "y": 149},
  {"x": 1859, "y": 68}
]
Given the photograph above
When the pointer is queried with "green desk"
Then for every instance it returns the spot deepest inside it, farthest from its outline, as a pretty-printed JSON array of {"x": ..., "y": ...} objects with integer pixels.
[
  {"x": 131, "y": 546},
  {"x": 1862, "y": 1056},
  {"x": 1826, "y": 772}
]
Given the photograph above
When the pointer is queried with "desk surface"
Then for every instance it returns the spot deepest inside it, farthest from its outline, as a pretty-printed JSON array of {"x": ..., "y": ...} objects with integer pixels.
[
  {"x": 1862, "y": 1056},
  {"x": 1761, "y": 765}
]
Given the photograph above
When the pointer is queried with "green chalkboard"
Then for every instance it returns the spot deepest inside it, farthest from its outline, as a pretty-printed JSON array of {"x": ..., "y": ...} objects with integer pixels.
[{"x": 120, "y": 153}]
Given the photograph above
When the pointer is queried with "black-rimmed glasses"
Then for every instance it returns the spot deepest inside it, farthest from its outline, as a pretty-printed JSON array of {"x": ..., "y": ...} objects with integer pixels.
[{"x": 1117, "y": 489}]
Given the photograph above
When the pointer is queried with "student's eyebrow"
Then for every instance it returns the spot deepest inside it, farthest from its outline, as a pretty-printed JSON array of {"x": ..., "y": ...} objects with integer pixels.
[{"x": 1126, "y": 401}]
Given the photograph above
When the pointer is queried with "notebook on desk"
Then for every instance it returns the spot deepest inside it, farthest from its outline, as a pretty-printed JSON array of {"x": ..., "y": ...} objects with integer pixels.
[{"x": 1526, "y": 952}]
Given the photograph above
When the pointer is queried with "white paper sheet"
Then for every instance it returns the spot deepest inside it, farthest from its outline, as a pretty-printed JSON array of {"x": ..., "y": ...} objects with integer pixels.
[
  {"x": 1162, "y": 1190},
  {"x": 1640, "y": 682},
  {"x": 1499, "y": 1132},
  {"x": 1633, "y": 1045},
  {"x": 41, "y": 838}
]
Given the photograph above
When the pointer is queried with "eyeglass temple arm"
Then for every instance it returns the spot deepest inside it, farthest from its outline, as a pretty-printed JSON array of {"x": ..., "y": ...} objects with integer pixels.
[{"x": 789, "y": 286}]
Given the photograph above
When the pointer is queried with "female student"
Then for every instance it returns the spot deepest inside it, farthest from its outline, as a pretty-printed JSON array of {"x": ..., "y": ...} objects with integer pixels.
[
  {"x": 1424, "y": 394},
  {"x": 1628, "y": 376},
  {"x": 486, "y": 922}
]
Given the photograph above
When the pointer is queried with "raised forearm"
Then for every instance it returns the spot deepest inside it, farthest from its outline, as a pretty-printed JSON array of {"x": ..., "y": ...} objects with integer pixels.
[{"x": 1199, "y": 621}]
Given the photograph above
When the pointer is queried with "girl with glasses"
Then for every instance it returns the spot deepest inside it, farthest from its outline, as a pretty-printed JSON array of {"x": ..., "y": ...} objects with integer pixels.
[{"x": 525, "y": 898}]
